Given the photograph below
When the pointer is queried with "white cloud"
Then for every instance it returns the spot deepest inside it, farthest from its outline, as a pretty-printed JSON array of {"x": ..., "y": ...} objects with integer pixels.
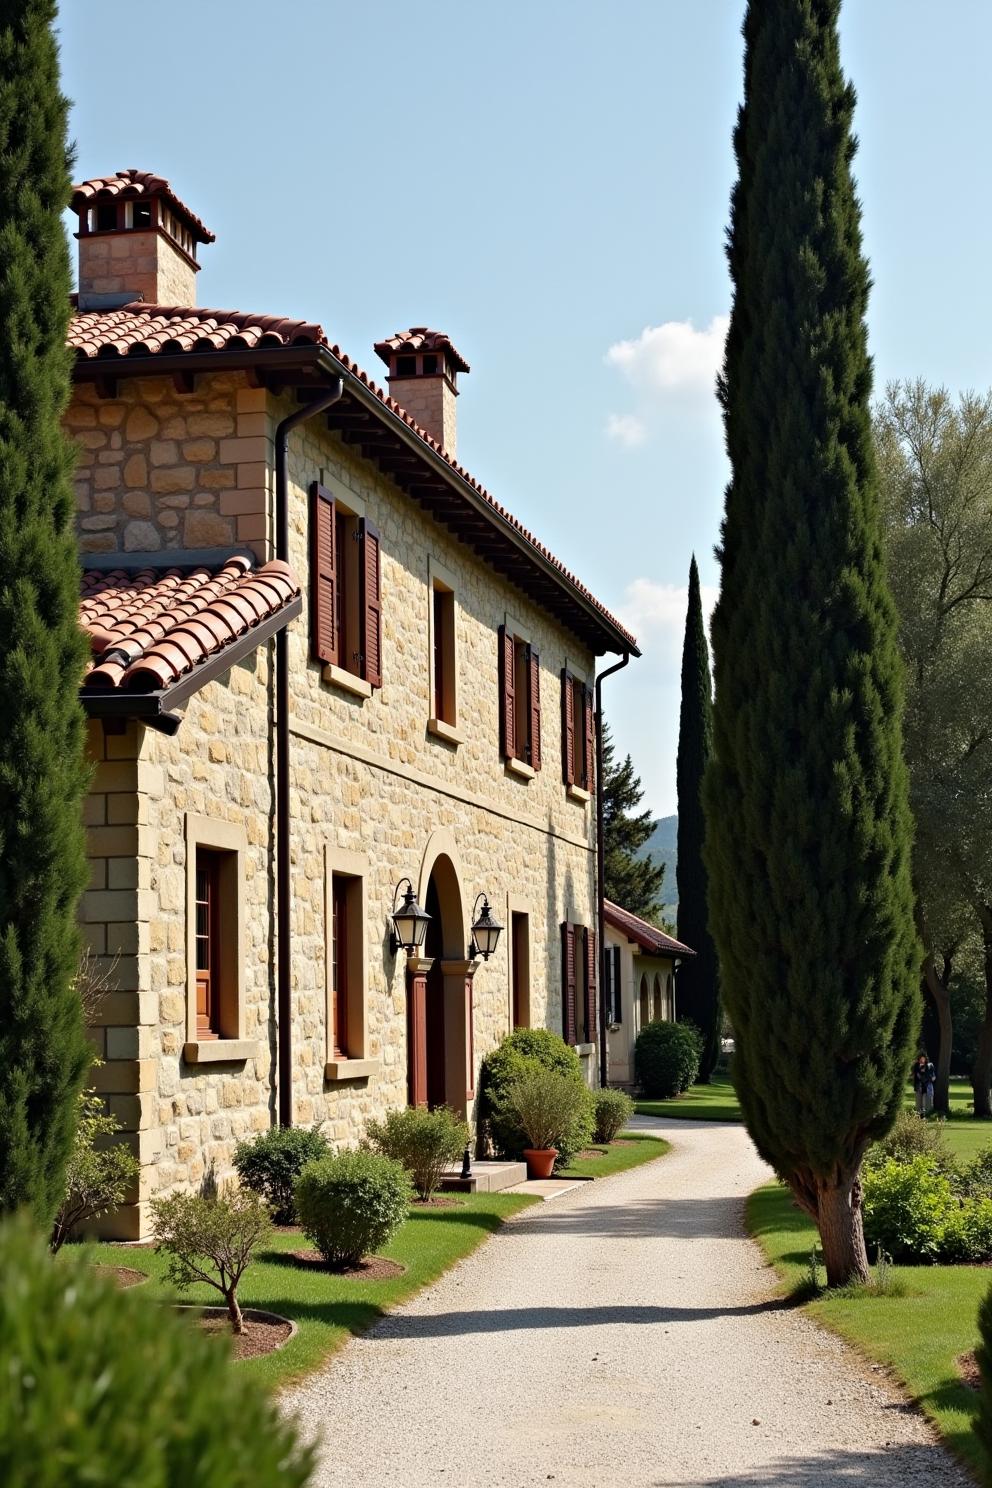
[
  {"x": 626, "y": 428},
  {"x": 656, "y": 614}
]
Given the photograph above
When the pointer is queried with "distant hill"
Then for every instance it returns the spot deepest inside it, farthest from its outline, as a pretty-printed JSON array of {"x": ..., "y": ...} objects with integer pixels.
[{"x": 662, "y": 845}]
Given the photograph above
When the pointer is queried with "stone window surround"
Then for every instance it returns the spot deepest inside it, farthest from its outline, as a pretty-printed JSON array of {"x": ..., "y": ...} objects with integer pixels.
[
  {"x": 525, "y": 634},
  {"x": 517, "y": 904},
  {"x": 358, "y": 1065},
  {"x": 350, "y": 505},
  {"x": 577, "y": 793},
  {"x": 439, "y": 577},
  {"x": 223, "y": 836}
]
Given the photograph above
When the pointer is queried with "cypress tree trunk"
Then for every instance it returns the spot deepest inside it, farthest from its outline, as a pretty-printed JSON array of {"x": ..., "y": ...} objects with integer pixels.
[
  {"x": 43, "y": 1050},
  {"x": 698, "y": 993},
  {"x": 808, "y": 831}
]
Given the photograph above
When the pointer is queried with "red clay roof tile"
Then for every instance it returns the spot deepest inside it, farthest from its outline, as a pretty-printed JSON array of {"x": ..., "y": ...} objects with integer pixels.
[
  {"x": 650, "y": 939},
  {"x": 135, "y": 183},
  {"x": 148, "y": 627}
]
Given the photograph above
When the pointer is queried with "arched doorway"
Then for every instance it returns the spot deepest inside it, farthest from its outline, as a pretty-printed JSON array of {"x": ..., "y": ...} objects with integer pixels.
[
  {"x": 644, "y": 1010},
  {"x": 440, "y": 1054}
]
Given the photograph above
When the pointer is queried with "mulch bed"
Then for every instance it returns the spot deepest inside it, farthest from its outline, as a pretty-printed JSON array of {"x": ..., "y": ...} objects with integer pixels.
[
  {"x": 260, "y": 1337},
  {"x": 592, "y": 1152},
  {"x": 968, "y": 1370},
  {"x": 370, "y": 1268},
  {"x": 435, "y": 1203},
  {"x": 623, "y": 1142},
  {"x": 121, "y": 1276}
]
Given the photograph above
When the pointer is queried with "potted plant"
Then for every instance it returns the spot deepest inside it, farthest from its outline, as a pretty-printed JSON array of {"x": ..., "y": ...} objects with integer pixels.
[{"x": 546, "y": 1104}]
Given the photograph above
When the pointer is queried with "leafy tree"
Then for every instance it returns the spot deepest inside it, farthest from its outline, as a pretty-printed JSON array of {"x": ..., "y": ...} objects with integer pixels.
[
  {"x": 935, "y": 464},
  {"x": 699, "y": 992},
  {"x": 43, "y": 1051},
  {"x": 808, "y": 829},
  {"x": 211, "y": 1240},
  {"x": 631, "y": 881},
  {"x": 97, "y": 1178}
]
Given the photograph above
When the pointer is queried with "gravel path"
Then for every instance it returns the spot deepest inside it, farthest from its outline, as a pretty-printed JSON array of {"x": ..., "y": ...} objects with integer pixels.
[{"x": 622, "y": 1334}]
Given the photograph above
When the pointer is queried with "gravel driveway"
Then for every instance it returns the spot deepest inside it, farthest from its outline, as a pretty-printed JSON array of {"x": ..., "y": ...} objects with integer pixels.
[{"x": 623, "y": 1334}]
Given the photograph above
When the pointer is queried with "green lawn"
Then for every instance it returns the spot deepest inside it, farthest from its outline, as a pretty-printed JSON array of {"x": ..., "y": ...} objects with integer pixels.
[
  {"x": 918, "y": 1336},
  {"x": 616, "y": 1159},
  {"x": 716, "y": 1101},
  {"x": 965, "y": 1136},
  {"x": 329, "y": 1309}
]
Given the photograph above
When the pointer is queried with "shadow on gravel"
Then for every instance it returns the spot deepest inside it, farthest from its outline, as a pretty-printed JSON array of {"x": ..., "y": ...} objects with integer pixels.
[
  {"x": 512, "y": 1319},
  {"x": 674, "y": 1218},
  {"x": 891, "y": 1468}
]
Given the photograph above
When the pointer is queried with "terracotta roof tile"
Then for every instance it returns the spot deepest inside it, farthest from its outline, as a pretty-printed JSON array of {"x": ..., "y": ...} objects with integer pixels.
[
  {"x": 149, "y": 627},
  {"x": 134, "y": 184},
  {"x": 650, "y": 939},
  {"x": 419, "y": 338},
  {"x": 139, "y": 330}
]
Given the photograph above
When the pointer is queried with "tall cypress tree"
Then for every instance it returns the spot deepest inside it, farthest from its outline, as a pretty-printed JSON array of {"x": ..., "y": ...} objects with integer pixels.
[
  {"x": 807, "y": 820},
  {"x": 43, "y": 1052},
  {"x": 698, "y": 992}
]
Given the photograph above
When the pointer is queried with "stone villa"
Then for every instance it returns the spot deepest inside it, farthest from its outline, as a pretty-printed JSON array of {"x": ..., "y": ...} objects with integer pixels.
[
  {"x": 640, "y": 964},
  {"x": 324, "y": 660}
]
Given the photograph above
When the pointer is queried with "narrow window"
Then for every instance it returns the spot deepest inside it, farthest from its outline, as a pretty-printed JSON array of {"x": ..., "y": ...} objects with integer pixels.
[
  {"x": 658, "y": 1012},
  {"x": 208, "y": 943},
  {"x": 578, "y": 700},
  {"x": 445, "y": 682},
  {"x": 344, "y": 621},
  {"x": 521, "y": 687},
  {"x": 581, "y": 997},
  {"x": 520, "y": 968},
  {"x": 644, "y": 1009},
  {"x": 341, "y": 894}
]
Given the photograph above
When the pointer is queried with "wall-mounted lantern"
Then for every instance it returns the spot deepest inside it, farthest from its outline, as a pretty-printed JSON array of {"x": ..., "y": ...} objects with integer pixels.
[
  {"x": 485, "y": 930},
  {"x": 409, "y": 922}
]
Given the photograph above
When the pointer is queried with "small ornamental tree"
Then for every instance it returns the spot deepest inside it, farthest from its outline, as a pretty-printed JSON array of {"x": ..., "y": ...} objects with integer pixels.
[
  {"x": 97, "y": 1178},
  {"x": 698, "y": 990},
  {"x": 808, "y": 831},
  {"x": 211, "y": 1240},
  {"x": 43, "y": 1050}
]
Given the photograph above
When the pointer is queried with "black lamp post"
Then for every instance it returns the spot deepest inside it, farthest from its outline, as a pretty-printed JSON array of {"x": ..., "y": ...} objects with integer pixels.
[
  {"x": 485, "y": 930},
  {"x": 409, "y": 922}
]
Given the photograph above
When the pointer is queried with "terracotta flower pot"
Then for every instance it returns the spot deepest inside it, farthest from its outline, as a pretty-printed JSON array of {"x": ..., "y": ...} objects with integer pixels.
[{"x": 540, "y": 1161}]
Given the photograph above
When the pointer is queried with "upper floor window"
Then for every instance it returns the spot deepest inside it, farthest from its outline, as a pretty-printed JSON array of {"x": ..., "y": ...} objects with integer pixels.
[
  {"x": 520, "y": 699},
  {"x": 345, "y": 588},
  {"x": 578, "y": 747}
]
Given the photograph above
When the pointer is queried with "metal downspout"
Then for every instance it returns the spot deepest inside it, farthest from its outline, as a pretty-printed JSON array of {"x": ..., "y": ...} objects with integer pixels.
[
  {"x": 600, "y": 858},
  {"x": 284, "y": 1001}
]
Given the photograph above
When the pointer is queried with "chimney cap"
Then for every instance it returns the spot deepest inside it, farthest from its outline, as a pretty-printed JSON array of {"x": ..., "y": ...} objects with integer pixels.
[
  {"x": 419, "y": 338},
  {"x": 132, "y": 184}
]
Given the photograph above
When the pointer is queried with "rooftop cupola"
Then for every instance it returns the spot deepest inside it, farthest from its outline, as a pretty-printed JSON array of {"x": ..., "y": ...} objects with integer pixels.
[
  {"x": 423, "y": 378},
  {"x": 137, "y": 241}
]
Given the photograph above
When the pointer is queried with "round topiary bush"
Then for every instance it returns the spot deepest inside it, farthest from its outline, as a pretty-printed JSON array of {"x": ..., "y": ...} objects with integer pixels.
[
  {"x": 425, "y": 1142},
  {"x": 500, "y": 1130},
  {"x": 666, "y": 1058},
  {"x": 612, "y": 1110},
  {"x": 102, "y": 1387},
  {"x": 351, "y": 1204},
  {"x": 270, "y": 1164}
]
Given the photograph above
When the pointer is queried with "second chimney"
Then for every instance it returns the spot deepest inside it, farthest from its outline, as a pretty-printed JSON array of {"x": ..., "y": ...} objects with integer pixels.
[{"x": 423, "y": 378}]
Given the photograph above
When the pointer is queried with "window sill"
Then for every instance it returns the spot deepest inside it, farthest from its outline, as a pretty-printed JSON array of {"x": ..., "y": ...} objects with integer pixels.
[
  {"x": 584, "y": 1050},
  {"x": 346, "y": 681},
  {"x": 220, "y": 1051},
  {"x": 445, "y": 731},
  {"x": 351, "y": 1069},
  {"x": 518, "y": 767},
  {"x": 577, "y": 793}
]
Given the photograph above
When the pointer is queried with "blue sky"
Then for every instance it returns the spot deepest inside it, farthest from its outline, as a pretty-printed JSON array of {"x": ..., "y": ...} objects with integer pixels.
[{"x": 548, "y": 183}]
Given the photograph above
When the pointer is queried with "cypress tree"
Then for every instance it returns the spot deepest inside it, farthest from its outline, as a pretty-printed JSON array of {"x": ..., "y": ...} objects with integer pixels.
[
  {"x": 698, "y": 989},
  {"x": 43, "y": 1050},
  {"x": 632, "y": 881},
  {"x": 808, "y": 832}
]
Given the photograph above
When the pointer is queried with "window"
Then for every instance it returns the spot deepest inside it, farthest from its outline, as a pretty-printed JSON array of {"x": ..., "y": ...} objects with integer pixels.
[
  {"x": 520, "y": 968},
  {"x": 612, "y": 989},
  {"x": 346, "y": 966},
  {"x": 520, "y": 699},
  {"x": 578, "y": 984},
  {"x": 215, "y": 1003},
  {"x": 578, "y": 750},
  {"x": 443, "y": 664},
  {"x": 343, "y": 894},
  {"x": 658, "y": 1009},
  {"x": 345, "y": 590},
  {"x": 644, "y": 1010}
]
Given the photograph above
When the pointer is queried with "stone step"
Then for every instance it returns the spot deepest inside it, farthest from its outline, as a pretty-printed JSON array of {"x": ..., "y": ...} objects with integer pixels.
[
  {"x": 487, "y": 1177},
  {"x": 547, "y": 1188}
]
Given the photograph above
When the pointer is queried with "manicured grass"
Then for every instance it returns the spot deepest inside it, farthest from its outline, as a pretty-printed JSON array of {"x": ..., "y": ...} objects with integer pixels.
[
  {"x": 918, "y": 1336},
  {"x": 716, "y": 1101},
  {"x": 330, "y": 1309},
  {"x": 964, "y": 1134},
  {"x": 616, "y": 1159}
]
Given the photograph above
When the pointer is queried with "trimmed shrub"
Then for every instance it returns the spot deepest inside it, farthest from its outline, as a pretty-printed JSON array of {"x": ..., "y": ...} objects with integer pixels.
[
  {"x": 666, "y": 1058},
  {"x": 97, "y": 1178},
  {"x": 612, "y": 1109},
  {"x": 101, "y": 1387},
  {"x": 271, "y": 1163},
  {"x": 425, "y": 1142},
  {"x": 498, "y": 1124},
  {"x": 968, "y": 1233},
  {"x": 908, "y": 1208},
  {"x": 211, "y": 1240},
  {"x": 976, "y": 1177},
  {"x": 351, "y": 1204},
  {"x": 910, "y": 1137},
  {"x": 546, "y": 1104}
]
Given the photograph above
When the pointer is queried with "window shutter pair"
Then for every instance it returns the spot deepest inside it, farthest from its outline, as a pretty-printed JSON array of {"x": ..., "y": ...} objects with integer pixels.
[
  {"x": 576, "y": 940},
  {"x": 326, "y": 565},
  {"x": 575, "y": 692},
  {"x": 510, "y": 704}
]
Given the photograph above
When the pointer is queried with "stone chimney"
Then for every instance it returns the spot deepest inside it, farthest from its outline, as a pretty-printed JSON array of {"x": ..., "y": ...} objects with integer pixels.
[
  {"x": 423, "y": 378},
  {"x": 137, "y": 241}
]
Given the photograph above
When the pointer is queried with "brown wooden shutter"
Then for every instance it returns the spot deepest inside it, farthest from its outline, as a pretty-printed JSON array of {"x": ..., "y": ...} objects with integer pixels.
[
  {"x": 590, "y": 781},
  {"x": 591, "y": 980},
  {"x": 567, "y": 727},
  {"x": 568, "y": 982},
  {"x": 534, "y": 701},
  {"x": 323, "y": 576},
  {"x": 370, "y": 602},
  {"x": 507, "y": 698}
]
